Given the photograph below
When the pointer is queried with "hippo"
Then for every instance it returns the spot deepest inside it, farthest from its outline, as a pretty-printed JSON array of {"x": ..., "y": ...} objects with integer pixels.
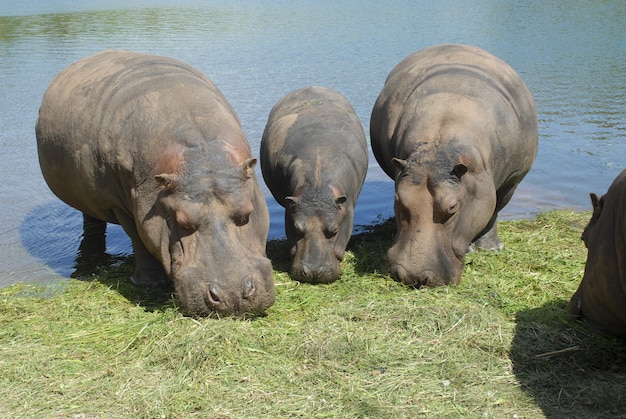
[
  {"x": 314, "y": 159},
  {"x": 456, "y": 128},
  {"x": 150, "y": 143},
  {"x": 600, "y": 300}
]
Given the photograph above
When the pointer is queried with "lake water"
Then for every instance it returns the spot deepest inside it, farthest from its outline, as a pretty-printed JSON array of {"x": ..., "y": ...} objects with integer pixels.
[{"x": 572, "y": 55}]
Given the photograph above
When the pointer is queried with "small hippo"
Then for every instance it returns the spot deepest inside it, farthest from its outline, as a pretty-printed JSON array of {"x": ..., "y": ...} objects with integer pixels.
[
  {"x": 601, "y": 297},
  {"x": 150, "y": 143},
  {"x": 457, "y": 130},
  {"x": 314, "y": 160}
]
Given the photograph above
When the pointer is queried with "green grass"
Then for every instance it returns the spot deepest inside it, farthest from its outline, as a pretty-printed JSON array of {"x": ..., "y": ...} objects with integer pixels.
[{"x": 500, "y": 344}]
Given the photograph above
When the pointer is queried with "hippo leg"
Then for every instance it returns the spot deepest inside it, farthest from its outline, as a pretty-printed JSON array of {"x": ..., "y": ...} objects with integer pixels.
[
  {"x": 92, "y": 249},
  {"x": 149, "y": 271},
  {"x": 489, "y": 239}
]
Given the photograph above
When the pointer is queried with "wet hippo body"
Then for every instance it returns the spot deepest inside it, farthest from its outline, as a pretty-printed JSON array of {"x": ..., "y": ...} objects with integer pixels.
[
  {"x": 457, "y": 130},
  {"x": 314, "y": 160},
  {"x": 601, "y": 297},
  {"x": 150, "y": 143}
]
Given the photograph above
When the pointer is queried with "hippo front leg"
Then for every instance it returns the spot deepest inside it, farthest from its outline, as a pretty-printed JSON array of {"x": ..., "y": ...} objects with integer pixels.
[
  {"x": 489, "y": 239},
  {"x": 149, "y": 271}
]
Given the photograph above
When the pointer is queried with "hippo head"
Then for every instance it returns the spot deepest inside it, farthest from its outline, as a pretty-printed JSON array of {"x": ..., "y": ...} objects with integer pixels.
[
  {"x": 212, "y": 243},
  {"x": 440, "y": 207},
  {"x": 318, "y": 225},
  {"x": 600, "y": 300}
]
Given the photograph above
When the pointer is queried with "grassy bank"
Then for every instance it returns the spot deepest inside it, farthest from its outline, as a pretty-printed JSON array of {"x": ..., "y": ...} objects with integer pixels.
[{"x": 498, "y": 345}]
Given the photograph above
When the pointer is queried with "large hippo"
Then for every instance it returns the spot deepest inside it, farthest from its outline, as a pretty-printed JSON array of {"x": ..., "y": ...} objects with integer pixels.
[
  {"x": 457, "y": 130},
  {"x": 601, "y": 297},
  {"x": 150, "y": 143},
  {"x": 314, "y": 161}
]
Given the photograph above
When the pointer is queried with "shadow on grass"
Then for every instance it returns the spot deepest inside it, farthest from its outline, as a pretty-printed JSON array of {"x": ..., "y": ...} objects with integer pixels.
[
  {"x": 371, "y": 245},
  {"x": 278, "y": 252},
  {"x": 117, "y": 277},
  {"x": 570, "y": 371}
]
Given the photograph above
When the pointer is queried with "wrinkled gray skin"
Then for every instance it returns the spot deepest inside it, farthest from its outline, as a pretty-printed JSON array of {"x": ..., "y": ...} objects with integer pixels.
[
  {"x": 150, "y": 143},
  {"x": 457, "y": 130},
  {"x": 314, "y": 161},
  {"x": 600, "y": 300}
]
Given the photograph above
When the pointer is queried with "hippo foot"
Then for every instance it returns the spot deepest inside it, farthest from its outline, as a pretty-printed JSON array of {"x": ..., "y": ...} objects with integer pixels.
[
  {"x": 150, "y": 279},
  {"x": 487, "y": 242}
]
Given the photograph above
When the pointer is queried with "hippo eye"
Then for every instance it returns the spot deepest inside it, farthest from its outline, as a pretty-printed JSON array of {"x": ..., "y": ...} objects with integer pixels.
[
  {"x": 453, "y": 208},
  {"x": 446, "y": 208},
  {"x": 331, "y": 231},
  {"x": 185, "y": 221},
  {"x": 241, "y": 216},
  {"x": 241, "y": 219},
  {"x": 299, "y": 228}
]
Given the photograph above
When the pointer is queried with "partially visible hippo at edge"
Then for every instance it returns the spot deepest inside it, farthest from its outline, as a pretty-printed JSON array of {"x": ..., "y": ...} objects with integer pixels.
[
  {"x": 457, "y": 129},
  {"x": 314, "y": 160},
  {"x": 150, "y": 143},
  {"x": 601, "y": 297}
]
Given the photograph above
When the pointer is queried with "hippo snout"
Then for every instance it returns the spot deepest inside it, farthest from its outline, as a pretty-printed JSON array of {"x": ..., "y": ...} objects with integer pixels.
[
  {"x": 423, "y": 278},
  {"x": 243, "y": 294},
  {"x": 222, "y": 301},
  {"x": 324, "y": 273},
  {"x": 251, "y": 296},
  {"x": 400, "y": 274}
]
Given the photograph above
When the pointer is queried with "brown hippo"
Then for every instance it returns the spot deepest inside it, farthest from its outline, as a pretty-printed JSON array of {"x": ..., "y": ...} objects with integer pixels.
[
  {"x": 457, "y": 130},
  {"x": 150, "y": 143},
  {"x": 314, "y": 160},
  {"x": 601, "y": 297}
]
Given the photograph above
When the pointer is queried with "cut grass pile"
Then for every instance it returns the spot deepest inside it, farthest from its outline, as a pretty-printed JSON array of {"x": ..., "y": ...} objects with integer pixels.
[{"x": 500, "y": 344}]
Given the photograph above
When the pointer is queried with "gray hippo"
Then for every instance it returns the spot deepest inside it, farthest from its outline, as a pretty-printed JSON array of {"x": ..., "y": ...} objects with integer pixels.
[
  {"x": 601, "y": 297},
  {"x": 314, "y": 161},
  {"x": 457, "y": 130},
  {"x": 150, "y": 143}
]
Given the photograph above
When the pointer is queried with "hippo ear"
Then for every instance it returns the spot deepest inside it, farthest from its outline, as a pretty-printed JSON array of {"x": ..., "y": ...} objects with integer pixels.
[
  {"x": 247, "y": 168},
  {"x": 168, "y": 180},
  {"x": 597, "y": 205},
  {"x": 399, "y": 164},
  {"x": 340, "y": 199},
  {"x": 459, "y": 170},
  {"x": 291, "y": 201}
]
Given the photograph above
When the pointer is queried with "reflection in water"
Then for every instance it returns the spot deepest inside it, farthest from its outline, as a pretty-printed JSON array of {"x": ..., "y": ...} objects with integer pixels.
[
  {"x": 570, "y": 54},
  {"x": 52, "y": 233}
]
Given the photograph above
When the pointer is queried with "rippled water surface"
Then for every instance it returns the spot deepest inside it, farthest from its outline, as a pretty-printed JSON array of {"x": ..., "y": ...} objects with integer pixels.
[{"x": 571, "y": 55}]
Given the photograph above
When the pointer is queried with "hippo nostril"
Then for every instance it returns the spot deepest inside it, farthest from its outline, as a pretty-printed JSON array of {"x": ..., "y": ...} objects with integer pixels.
[
  {"x": 425, "y": 278},
  {"x": 214, "y": 294},
  {"x": 248, "y": 288}
]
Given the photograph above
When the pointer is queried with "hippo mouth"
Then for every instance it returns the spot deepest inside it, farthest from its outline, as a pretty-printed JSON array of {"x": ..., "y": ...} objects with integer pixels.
[
  {"x": 224, "y": 302},
  {"x": 401, "y": 274},
  {"x": 426, "y": 277},
  {"x": 230, "y": 294},
  {"x": 322, "y": 274}
]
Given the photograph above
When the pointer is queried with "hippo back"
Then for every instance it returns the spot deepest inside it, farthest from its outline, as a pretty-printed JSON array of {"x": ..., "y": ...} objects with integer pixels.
[
  {"x": 121, "y": 98},
  {"x": 454, "y": 71}
]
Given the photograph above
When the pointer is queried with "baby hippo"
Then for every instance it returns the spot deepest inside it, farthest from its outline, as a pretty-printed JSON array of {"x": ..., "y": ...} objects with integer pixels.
[{"x": 314, "y": 160}]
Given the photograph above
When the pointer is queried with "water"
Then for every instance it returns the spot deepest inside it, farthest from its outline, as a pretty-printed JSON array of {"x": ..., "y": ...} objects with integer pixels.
[{"x": 570, "y": 53}]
